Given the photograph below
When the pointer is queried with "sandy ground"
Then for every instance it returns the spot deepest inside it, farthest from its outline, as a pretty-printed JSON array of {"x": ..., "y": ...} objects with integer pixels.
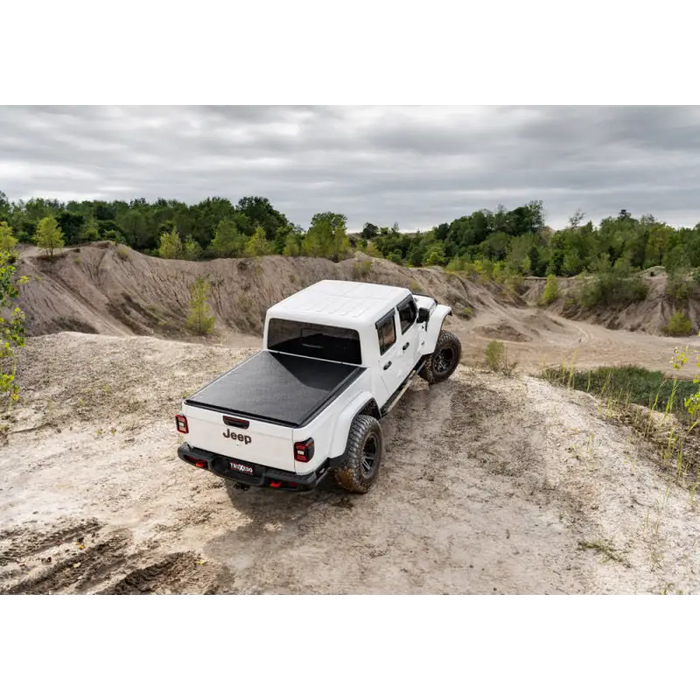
[
  {"x": 489, "y": 485},
  {"x": 536, "y": 338}
]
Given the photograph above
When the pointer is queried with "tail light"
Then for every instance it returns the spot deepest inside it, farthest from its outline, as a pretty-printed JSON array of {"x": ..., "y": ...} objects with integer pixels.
[
  {"x": 181, "y": 424},
  {"x": 304, "y": 451}
]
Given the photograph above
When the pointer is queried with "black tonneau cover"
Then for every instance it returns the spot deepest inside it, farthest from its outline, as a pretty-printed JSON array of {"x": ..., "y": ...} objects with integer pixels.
[{"x": 278, "y": 388}]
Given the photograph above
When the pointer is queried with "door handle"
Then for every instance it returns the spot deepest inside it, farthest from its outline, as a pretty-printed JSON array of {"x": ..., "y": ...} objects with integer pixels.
[
  {"x": 387, "y": 365},
  {"x": 405, "y": 346}
]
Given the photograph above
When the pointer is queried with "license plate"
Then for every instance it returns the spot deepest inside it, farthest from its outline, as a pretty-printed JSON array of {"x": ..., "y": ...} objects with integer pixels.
[{"x": 244, "y": 468}]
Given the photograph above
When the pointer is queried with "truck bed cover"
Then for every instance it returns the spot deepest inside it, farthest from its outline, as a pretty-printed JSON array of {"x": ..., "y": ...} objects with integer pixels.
[{"x": 274, "y": 387}]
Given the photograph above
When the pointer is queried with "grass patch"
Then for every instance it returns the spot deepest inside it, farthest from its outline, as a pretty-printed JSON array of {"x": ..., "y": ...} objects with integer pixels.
[
  {"x": 496, "y": 356},
  {"x": 653, "y": 405},
  {"x": 628, "y": 384}
]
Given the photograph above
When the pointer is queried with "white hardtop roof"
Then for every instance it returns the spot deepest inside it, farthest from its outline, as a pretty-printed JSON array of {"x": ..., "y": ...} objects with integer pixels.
[{"x": 346, "y": 302}]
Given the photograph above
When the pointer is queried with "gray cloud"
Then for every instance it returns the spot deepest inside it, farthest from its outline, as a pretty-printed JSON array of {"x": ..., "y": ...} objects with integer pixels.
[{"x": 415, "y": 165}]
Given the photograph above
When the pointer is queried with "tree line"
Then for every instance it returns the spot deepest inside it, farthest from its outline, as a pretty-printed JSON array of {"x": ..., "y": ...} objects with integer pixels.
[{"x": 501, "y": 242}]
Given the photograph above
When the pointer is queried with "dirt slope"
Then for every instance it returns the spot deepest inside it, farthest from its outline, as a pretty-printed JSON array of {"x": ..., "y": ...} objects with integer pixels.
[
  {"x": 511, "y": 486},
  {"x": 112, "y": 290},
  {"x": 103, "y": 288},
  {"x": 648, "y": 316}
]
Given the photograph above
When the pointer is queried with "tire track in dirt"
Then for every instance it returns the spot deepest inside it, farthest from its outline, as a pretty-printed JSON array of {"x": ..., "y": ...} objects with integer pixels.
[{"x": 90, "y": 558}]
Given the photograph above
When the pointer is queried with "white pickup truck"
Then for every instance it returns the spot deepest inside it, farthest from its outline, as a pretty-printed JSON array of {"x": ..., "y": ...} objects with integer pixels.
[{"x": 336, "y": 358}]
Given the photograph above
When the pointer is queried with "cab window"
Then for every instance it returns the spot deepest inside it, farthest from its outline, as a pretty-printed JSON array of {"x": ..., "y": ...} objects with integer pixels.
[
  {"x": 408, "y": 312},
  {"x": 386, "y": 332}
]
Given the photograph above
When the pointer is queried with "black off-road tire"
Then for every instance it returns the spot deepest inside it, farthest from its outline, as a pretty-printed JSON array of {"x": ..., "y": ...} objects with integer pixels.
[
  {"x": 444, "y": 360},
  {"x": 363, "y": 455}
]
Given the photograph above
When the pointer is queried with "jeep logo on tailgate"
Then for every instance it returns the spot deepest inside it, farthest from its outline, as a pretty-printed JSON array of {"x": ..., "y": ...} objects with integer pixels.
[{"x": 237, "y": 436}]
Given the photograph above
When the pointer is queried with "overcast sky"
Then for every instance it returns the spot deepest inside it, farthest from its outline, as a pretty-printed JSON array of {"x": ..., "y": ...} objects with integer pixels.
[{"x": 418, "y": 166}]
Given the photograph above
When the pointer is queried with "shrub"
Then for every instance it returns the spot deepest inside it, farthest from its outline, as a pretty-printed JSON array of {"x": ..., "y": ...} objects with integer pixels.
[
  {"x": 123, "y": 252},
  {"x": 7, "y": 241},
  {"x": 244, "y": 303},
  {"x": 258, "y": 244},
  {"x": 11, "y": 327},
  {"x": 200, "y": 320},
  {"x": 551, "y": 291},
  {"x": 456, "y": 264},
  {"x": 191, "y": 250},
  {"x": 612, "y": 289},
  {"x": 679, "y": 324},
  {"x": 435, "y": 257},
  {"x": 361, "y": 269},
  {"x": 467, "y": 312},
  {"x": 170, "y": 245},
  {"x": 496, "y": 355},
  {"x": 679, "y": 288}
]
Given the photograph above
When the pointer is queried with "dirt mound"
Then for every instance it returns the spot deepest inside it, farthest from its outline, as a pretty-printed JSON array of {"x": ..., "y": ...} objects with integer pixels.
[
  {"x": 511, "y": 486},
  {"x": 113, "y": 290},
  {"x": 504, "y": 331}
]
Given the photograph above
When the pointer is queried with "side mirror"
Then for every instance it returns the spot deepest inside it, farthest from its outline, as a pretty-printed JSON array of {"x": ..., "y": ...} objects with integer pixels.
[{"x": 423, "y": 315}]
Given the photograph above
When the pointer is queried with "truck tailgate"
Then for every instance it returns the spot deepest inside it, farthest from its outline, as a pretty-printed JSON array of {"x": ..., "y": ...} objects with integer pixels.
[{"x": 260, "y": 442}]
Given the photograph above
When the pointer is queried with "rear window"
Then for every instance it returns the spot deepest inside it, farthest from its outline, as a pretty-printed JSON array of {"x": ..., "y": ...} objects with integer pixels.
[{"x": 314, "y": 340}]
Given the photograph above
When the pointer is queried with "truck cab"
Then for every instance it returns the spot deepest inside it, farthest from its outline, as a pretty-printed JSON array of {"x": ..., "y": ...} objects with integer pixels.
[{"x": 331, "y": 353}]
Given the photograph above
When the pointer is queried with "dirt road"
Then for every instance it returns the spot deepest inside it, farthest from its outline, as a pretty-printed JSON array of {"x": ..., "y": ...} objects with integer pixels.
[
  {"x": 535, "y": 337},
  {"x": 490, "y": 485}
]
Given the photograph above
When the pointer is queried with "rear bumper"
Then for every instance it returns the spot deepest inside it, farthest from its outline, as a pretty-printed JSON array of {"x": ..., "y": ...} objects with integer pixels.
[{"x": 260, "y": 475}]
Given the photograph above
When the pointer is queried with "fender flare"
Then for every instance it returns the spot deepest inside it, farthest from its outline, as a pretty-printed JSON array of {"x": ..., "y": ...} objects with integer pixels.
[
  {"x": 435, "y": 322},
  {"x": 341, "y": 428}
]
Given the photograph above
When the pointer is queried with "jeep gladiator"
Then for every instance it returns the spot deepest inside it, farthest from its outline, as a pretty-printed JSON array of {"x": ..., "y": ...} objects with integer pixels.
[{"x": 336, "y": 358}]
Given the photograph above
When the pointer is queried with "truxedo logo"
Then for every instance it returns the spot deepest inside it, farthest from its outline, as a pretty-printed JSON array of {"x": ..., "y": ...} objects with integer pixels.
[{"x": 237, "y": 436}]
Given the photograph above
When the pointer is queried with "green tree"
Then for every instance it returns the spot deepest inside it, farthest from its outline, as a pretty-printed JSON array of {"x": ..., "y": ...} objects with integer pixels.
[
  {"x": 260, "y": 213},
  {"x": 572, "y": 264},
  {"x": 49, "y": 236},
  {"x": 536, "y": 263},
  {"x": 170, "y": 245},
  {"x": 326, "y": 237},
  {"x": 89, "y": 231},
  {"x": 228, "y": 241},
  {"x": 551, "y": 290},
  {"x": 191, "y": 250},
  {"x": 11, "y": 328},
  {"x": 435, "y": 255},
  {"x": 200, "y": 321},
  {"x": 369, "y": 231},
  {"x": 258, "y": 244},
  {"x": 7, "y": 241},
  {"x": 293, "y": 245}
]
